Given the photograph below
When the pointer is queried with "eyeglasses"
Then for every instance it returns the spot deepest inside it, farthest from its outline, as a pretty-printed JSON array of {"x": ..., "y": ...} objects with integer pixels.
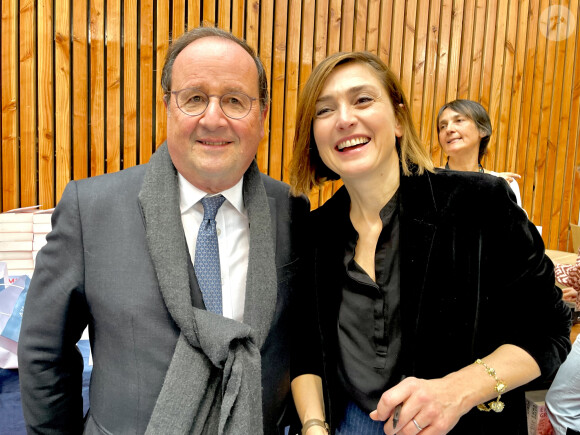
[{"x": 193, "y": 102}]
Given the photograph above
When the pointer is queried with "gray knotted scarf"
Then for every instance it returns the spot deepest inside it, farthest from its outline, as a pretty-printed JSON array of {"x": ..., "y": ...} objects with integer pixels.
[{"x": 213, "y": 384}]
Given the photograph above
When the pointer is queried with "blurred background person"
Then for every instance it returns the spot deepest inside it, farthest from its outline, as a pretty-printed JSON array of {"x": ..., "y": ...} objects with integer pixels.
[{"x": 464, "y": 130}]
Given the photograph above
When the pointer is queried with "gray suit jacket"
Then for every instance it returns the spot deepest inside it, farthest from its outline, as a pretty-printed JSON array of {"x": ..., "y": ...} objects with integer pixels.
[{"x": 96, "y": 270}]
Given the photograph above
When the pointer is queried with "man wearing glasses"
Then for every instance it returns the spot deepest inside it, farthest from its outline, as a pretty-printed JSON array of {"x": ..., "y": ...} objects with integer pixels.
[{"x": 183, "y": 269}]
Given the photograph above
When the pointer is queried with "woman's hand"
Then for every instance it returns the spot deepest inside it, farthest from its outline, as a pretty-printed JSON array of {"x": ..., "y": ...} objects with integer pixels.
[
  {"x": 569, "y": 294},
  {"x": 430, "y": 407},
  {"x": 509, "y": 176}
]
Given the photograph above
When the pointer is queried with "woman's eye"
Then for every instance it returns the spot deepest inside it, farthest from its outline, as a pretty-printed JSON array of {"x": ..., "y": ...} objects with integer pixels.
[
  {"x": 364, "y": 99},
  {"x": 323, "y": 111}
]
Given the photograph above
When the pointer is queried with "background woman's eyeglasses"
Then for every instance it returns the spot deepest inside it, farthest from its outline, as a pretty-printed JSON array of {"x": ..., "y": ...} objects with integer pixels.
[{"x": 193, "y": 102}]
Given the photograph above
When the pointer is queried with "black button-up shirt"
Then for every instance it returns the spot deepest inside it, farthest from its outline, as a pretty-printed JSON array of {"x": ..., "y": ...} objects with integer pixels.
[{"x": 369, "y": 329}]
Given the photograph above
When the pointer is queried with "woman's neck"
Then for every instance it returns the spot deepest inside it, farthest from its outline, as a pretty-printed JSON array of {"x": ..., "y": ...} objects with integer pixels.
[
  {"x": 368, "y": 196},
  {"x": 463, "y": 164}
]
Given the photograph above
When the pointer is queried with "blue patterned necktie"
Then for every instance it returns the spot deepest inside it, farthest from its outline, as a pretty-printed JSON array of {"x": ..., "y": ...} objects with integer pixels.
[{"x": 207, "y": 256}]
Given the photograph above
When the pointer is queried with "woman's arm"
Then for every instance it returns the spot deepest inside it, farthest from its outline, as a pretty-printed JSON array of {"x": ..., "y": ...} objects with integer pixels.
[
  {"x": 437, "y": 404},
  {"x": 307, "y": 394}
]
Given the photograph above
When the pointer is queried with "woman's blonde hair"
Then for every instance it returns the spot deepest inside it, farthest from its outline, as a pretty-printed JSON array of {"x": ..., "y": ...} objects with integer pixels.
[{"x": 307, "y": 170}]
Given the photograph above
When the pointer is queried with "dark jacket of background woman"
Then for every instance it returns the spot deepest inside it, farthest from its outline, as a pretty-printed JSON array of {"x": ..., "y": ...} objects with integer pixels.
[{"x": 473, "y": 277}]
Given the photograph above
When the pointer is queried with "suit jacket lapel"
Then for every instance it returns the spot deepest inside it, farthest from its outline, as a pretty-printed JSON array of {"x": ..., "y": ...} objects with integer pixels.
[{"x": 418, "y": 226}]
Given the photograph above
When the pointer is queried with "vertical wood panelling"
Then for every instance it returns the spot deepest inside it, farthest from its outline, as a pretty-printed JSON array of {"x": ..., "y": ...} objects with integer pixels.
[
  {"x": 81, "y": 96},
  {"x": 130, "y": 84},
  {"x": 113, "y": 80},
  {"x": 147, "y": 81},
  {"x": 62, "y": 48},
  {"x": 46, "y": 176},
  {"x": 97, "y": 83},
  {"x": 265, "y": 51},
  {"x": 27, "y": 104},
  {"x": 80, "y": 145}
]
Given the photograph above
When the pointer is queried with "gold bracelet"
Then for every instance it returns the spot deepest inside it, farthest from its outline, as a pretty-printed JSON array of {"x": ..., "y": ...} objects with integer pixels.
[
  {"x": 314, "y": 422},
  {"x": 500, "y": 387}
]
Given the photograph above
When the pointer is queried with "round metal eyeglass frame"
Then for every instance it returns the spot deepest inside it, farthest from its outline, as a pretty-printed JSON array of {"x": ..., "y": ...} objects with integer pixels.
[{"x": 221, "y": 98}]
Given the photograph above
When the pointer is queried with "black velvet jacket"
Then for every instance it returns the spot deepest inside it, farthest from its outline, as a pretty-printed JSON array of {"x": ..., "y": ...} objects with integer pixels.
[{"x": 474, "y": 276}]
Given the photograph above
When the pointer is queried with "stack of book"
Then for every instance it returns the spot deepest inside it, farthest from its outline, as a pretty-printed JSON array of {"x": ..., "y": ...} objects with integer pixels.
[
  {"x": 22, "y": 234},
  {"x": 16, "y": 240},
  {"x": 41, "y": 226},
  {"x": 537, "y": 413}
]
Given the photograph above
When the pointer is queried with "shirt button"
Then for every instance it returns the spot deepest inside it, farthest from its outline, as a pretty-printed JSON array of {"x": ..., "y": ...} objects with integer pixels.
[{"x": 218, "y": 231}]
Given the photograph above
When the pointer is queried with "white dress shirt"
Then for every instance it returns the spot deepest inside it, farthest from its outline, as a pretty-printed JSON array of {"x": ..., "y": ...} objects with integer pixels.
[{"x": 233, "y": 238}]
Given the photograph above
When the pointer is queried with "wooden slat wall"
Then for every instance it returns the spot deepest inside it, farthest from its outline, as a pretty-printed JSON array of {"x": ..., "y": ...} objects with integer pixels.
[{"x": 81, "y": 97}]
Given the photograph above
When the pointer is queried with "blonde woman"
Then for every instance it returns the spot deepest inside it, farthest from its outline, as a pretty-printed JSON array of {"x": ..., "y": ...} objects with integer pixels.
[{"x": 411, "y": 284}]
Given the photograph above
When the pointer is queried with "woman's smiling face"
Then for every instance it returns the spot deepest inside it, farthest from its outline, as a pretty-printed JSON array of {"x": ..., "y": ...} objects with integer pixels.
[
  {"x": 458, "y": 134},
  {"x": 355, "y": 127}
]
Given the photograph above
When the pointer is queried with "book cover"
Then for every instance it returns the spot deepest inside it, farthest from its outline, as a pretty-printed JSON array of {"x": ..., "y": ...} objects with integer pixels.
[{"x": 537, "y": 414}]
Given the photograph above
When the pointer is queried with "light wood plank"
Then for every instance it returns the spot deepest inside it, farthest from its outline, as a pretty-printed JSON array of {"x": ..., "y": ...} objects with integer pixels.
[
  {"x": 506, "y": 91},
  {"x": 441, "y": 80},
  {"x": 160, "y": 51},
  {"x": 9, "y": 68},
  {"x": 278, "y": 82},
  {"x": 209, "y": 18},
  {"x": 408, "y": 47},
  {"x": 385, "y": 25},
  {"x": 465, "y": 61},
  {"x": 477, "y": 54},
  {"x": 455, "y": 50},
  {"x": 130, "y": 83},
  {"x": 555, "y": 153},
  {"x": 178, "y": 18},
  {"x": 113, "y": 80},
  {"x": 334, "y": 20},
  {"x": 46, "y": 170},
  {"x": 146, "y": 83},
  {"x": 347, "y": 25},
  {"x": 427, "y": 129},
  {"x": 27, "y": 109},
  {"x": 80, "y": 110},
  {"x": 62, "y": 40},
  {"x": 373, "y": 26},
  {"x": 97, "y": 87},
  {"x": 193, "y": 14},
  {"x": 360, "y": 26},
  {"x": 266, "y": 54},
  {"x": 397, "y": 32},
  {"x": 417, "y": 91},
  {"x": 544, "y": 183},
  {"x": 292, "y": 77}
]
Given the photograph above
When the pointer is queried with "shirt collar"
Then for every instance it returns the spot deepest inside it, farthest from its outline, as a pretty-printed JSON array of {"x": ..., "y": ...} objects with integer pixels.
[{"x": 189, "y": 195}]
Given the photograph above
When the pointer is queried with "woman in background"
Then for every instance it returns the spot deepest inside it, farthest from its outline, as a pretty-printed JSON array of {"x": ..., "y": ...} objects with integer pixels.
[
  {"x": 410, "y": 278},
  {"x": 464, "y": 130}
]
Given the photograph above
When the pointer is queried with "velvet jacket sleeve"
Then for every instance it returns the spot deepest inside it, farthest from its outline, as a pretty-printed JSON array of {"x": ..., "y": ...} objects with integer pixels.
[
  {"x": 523, "y": 304},
  {"x": 55, "y": 315}
]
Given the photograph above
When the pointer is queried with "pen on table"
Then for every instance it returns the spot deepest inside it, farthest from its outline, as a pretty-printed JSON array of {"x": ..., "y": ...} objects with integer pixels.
[{"x": 397, "y": 412}]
